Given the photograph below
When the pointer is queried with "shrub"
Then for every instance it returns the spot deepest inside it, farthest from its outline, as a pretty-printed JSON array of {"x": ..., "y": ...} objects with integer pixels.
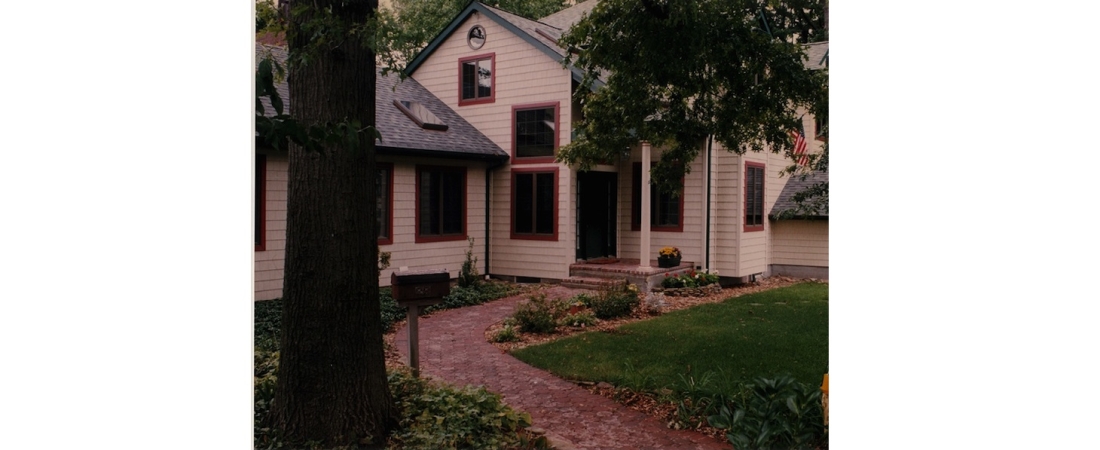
[
  {"x": 580, "y": 319},
  {"x": 689, "y": 280},
  {"x": 773, "y": 413},
  {"x": 391, "y": 313},
  {"x": 615, "y": 301},
  {"x": 467, "y": 276},
  {"x": 506, "y": 334},
  {"x": 539, "y": 315}
]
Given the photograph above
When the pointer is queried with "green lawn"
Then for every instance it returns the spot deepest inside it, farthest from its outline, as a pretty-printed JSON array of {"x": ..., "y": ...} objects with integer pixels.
[{"x": 765, "y": 334}]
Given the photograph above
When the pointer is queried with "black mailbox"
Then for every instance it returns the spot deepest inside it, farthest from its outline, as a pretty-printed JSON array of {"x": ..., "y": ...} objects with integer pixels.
[
  {"x": 414, "y": 290},
  {"x": 420, "y": 288}
]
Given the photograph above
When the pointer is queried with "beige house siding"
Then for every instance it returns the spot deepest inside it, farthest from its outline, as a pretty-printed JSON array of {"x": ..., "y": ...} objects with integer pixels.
[
  {"x": 268, "y": 271},
  {"x": 688, "y": 241},
  {"x": 727, "y": 216},
  {"x": 800, "y": 243},
  {"x": 404, "y": 251},
  {"x": 523, "y": 75}
]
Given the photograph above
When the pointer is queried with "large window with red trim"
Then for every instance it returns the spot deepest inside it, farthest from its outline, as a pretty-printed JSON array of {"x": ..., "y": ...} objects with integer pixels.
[
  {"x": 440, "y": 203},
  {"x": 754, "y": 196},
  {"x": 666, "y": 210},
  {"x": 384, "y": 184},
  {"x": 259, "y": 209},
  {"x": 476, "y": 79},
  {"x": 534, "y": 132},
  {"x": 534, "y": 204}
]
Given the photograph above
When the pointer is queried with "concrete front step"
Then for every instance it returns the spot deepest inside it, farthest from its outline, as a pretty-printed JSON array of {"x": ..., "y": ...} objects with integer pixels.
[{"x": 589, "y": 283}]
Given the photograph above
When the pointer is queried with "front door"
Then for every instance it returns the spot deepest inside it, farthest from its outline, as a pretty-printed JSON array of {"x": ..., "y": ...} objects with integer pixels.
[{"x": 596, "y": 212}]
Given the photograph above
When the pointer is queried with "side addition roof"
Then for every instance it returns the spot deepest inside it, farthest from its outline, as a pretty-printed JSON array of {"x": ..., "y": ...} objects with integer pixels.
[
  {"x": 794, "y": 185},
  {"x": 400, "y": 135}
]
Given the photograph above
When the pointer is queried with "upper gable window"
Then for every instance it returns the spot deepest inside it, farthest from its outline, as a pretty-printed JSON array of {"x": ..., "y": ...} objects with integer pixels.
[
  {"x": 420, "y": 115},
  {"x": 476, "y": 82}
]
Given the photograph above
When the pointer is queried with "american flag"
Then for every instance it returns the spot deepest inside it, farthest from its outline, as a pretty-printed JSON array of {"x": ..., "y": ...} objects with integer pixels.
[{"x": 800, "y": 147}]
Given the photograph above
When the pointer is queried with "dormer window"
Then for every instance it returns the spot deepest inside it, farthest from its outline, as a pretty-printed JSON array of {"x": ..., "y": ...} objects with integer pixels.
[
  {"x": 476, "y": 80},
  {"x": 420, "y": 115}
]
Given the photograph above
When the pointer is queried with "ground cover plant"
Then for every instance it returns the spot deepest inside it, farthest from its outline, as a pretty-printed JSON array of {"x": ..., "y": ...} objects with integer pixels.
[{"x": 459, "y": 296}]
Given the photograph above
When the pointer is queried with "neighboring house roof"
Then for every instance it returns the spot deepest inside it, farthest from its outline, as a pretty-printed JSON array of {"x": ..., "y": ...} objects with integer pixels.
[
  {"x": 540, "y": 35},
  {"x": 794, "y": 185},
  {"x": 400, "y": 135},
  {"x": 818, "y": 53},
  {"x": 564, "y": 19}
]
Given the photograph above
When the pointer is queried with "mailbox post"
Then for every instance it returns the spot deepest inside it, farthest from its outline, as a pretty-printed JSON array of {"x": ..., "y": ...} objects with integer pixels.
[{"x": 415, "y": 290}]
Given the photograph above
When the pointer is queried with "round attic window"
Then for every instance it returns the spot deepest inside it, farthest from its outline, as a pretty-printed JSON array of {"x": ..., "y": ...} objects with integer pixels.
[{"x": 476, "y": 37}]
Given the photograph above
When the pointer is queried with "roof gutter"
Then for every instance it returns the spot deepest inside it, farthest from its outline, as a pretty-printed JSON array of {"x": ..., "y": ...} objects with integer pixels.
[{"x": 446, "y": 154}]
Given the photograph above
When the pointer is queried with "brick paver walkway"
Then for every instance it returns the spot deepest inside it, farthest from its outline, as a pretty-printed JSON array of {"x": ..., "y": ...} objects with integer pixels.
[{"x": 453, "y": 348}]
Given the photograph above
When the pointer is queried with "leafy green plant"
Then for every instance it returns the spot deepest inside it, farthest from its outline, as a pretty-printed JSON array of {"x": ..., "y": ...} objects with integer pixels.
[
  {"x": 538, "y": 314},
  {"x": 579, "y": 319},
  {"x": 443, "y": 417},
  {"x": 616, "y": 301},
  {"x": 468, "y": 276},
  {"x": 689, "y": 280},
  {"x": 778, "y": 413},
  {"x": 506, "y": 334},
  {"x": 391, "y": 313}
]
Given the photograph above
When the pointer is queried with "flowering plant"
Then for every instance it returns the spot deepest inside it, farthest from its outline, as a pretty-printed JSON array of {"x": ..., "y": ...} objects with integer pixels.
[{"x": 670, "y": 252}]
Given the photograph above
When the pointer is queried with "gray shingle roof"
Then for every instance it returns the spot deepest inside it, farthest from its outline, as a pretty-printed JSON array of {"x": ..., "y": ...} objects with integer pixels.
[
  {"x": 530, "y": 26},
  {"x": 400, "y": 135},
  {"x": 794, "y": 185},
  {"x": 818, "y": 53},
  {"x": 564, "y": 19}
]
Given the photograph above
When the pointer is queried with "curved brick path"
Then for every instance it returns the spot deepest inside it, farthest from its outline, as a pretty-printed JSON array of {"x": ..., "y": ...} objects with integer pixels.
[{"x": 453, "y": 348}]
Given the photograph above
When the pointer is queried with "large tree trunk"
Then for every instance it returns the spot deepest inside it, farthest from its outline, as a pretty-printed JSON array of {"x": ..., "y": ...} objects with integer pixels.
[{"x": 331, "y": 378}]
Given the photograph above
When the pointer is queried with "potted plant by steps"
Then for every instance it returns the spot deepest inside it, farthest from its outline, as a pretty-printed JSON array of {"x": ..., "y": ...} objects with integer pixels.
[{"x": 668, "y": 257}]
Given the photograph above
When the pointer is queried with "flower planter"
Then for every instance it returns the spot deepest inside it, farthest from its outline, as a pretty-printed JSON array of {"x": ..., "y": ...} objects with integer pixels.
[{"x": 666, "y": 262}]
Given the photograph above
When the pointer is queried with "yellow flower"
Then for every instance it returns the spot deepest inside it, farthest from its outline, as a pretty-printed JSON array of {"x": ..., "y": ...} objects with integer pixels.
[{"x": 670, "y": 251}]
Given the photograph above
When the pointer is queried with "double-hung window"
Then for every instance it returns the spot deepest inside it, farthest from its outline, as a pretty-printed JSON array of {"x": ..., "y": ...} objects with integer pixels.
[
  {"x": 384, "y": 184},
  {"x": 476, "y": 82},
  {"x": 754, "y": 196},
  {"x": 440, "y": 203},
  {"x": 666, "y": 209},
  {"x": 534, "y": 133},
  {"x": 534, "y": 204},
  {"x": 259, "y": 209}
]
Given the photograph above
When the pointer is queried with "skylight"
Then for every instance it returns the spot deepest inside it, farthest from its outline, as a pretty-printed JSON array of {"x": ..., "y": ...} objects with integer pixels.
[{"x": 420, "y": 115}]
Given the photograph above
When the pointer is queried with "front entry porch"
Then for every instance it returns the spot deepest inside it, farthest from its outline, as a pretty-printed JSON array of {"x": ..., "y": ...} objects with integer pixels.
[{"x": 607, "y": 272}]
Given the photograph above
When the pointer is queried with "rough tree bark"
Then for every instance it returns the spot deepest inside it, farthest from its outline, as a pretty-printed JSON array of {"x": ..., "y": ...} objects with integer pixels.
[{"x": 331, "y": 378}]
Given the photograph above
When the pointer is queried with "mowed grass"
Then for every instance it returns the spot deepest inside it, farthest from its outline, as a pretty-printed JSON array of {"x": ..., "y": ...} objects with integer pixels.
[{"x": 781, "y": 331}]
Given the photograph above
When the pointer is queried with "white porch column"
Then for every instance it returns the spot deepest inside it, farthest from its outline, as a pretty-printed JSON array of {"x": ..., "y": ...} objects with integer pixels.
[{"x": 643, "y": 260}]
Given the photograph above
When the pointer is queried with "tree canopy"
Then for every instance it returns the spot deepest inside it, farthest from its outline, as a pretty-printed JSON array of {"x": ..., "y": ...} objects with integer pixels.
[{"x": 678, "y": 72}]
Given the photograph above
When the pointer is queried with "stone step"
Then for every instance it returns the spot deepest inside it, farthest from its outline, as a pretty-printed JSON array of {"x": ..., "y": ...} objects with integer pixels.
[{"x": 589, "y": 283}]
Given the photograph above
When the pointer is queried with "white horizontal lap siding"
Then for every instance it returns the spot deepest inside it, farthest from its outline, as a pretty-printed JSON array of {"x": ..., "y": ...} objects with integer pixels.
[
  {"x": 694, "y": 216},
  {"x": 727, "y": 221},
  {"x": 523, "y": 75},
  {"x": 268, "y": 264},
  {"x": 449, "y": 255},
  {"x": 800, "y": 243}
]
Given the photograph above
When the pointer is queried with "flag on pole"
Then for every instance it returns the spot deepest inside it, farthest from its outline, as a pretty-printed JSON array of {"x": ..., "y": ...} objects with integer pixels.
[{"x": 800, "y": 146}]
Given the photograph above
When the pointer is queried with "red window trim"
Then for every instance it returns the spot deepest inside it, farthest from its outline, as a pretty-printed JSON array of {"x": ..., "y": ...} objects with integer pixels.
[
  {"x": 492, "y": 80},
  {"x": 763, "y": 198},
  {"x": 636, "y": 199},
  {"x": 512, "y": 224},
  {"x": 557, "y": 132},
  {"x": 389, "y": 208},
  {"x": 261, "y": 202},
  {"x": 416, "y": 225}
]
